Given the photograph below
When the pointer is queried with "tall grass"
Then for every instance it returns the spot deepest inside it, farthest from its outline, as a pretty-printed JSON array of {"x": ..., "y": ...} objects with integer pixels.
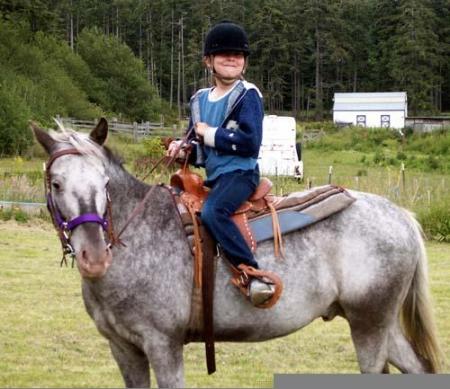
[
  {"x": 361, "y": 159},
  {"x": 412, "y": 171},
  {"x": 426, "y": 194},
  {"x": 428, "y": 152},
  {"x": 22, "y": 189}
]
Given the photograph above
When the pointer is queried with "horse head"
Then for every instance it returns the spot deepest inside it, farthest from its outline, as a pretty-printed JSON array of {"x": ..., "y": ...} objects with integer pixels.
[{"x": 77, "y": 196}]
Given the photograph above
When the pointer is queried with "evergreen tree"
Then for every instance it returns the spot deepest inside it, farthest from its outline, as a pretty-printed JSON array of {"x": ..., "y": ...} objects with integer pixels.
[
  {"x": 414, "y": 64},
  {"x": 442, "y": 29},
  {"x": 129, "y": 93},
  {"x": 302, "y": 52},
  {"x": 352, "y": 46}
]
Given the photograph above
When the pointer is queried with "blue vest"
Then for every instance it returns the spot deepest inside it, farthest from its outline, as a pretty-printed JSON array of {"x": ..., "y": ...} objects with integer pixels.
[{"x": 213, "y": 113}]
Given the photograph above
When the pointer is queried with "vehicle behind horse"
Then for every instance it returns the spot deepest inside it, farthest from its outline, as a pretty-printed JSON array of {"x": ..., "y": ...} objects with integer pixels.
[{"x": 366, "y": 264}]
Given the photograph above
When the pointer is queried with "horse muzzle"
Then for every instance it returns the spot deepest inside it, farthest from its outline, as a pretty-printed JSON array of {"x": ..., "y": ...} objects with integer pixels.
[{"x": 93, "y": 261}]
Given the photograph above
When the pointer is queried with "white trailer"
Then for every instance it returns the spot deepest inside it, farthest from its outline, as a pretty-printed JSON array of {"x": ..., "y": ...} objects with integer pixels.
[{"x": 280, "y": 154}]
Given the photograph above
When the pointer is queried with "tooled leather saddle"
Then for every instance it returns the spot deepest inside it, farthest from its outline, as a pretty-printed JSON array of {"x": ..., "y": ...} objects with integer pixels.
[{"x": 191, "y": 197}]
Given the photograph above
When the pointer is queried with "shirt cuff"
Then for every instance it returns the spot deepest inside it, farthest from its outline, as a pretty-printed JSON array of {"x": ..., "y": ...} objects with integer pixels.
[{"x": 209, "y": 137}]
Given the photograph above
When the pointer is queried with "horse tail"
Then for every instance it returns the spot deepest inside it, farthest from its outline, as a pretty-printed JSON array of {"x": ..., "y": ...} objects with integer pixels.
[{"x": 417, "y": 314}]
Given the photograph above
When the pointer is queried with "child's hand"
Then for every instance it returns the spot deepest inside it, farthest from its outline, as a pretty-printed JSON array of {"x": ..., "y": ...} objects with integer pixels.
[
  {"x": 200, "y": 129},
  {"x": 173, "y": 148}
]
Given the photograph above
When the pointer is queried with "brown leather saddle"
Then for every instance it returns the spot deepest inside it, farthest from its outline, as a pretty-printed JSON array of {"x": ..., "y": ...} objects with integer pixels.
[{"x": 192, "y": 195}]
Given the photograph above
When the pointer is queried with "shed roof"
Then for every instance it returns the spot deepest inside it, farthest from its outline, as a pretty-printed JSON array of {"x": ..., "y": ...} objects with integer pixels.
[{"x": 378, "y": 101}]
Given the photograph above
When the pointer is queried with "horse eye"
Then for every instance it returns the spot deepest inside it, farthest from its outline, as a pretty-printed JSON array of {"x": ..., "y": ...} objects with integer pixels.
[{"x": 56, "y": 185}]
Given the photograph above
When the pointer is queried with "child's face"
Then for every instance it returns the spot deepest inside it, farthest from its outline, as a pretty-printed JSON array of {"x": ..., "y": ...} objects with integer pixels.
[{"x": 228, "y": 65}]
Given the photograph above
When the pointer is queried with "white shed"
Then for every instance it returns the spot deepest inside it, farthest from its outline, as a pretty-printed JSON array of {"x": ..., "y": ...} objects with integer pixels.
[{"x": 380, "y": 109}]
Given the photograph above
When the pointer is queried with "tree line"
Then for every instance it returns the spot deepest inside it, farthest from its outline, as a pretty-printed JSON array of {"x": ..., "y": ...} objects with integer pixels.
[{"x": 303, "y": 51}]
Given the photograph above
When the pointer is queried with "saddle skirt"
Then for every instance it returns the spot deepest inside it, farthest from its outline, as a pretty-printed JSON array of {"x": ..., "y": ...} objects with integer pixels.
[{"x": 264, "y": 216}]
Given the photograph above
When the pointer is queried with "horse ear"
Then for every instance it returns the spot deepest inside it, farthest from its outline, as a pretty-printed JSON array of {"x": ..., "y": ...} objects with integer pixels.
[
  {"x": 46, "y": 141},
  {"x": 100, "y": 132}
]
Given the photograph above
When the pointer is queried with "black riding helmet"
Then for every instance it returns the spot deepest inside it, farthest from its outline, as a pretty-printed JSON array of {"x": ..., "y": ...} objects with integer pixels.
[{"x": 224, "y": 37}]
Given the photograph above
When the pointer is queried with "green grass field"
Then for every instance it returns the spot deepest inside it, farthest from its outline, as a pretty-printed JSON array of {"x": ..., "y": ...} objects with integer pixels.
[{"x": 48, "y": 340}]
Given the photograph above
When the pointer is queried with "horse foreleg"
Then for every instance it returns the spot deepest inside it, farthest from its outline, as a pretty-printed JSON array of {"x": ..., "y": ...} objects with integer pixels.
[
  {"x": 133, "y": 364},
  {"x": 166, "y": 359}
]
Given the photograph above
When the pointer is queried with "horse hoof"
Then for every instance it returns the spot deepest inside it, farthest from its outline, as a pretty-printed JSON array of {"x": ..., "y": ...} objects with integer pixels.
[{"x": 260, "y": 292}]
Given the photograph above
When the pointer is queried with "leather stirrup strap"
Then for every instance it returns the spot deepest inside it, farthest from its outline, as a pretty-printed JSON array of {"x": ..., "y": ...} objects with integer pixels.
[
  {"x": 198, "y": 252},
  {"x": 277, "y": 238},
  {"x": 208, "y": 249}
]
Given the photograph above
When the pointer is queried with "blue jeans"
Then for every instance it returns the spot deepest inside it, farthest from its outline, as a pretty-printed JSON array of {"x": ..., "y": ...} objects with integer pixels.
[{"x": 228, "y": 192}]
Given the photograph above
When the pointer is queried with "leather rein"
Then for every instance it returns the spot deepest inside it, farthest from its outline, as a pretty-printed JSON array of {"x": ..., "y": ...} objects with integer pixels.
[{"x": 64, "y": 228}]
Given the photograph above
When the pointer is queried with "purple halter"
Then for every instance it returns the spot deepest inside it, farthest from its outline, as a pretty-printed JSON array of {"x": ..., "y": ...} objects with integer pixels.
[
  {"x": 76, "y": 221},
  {"x": 65, "y": 227}
]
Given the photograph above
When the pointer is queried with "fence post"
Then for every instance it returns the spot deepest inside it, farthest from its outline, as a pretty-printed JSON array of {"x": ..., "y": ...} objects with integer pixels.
[
  {"x": 174, "y": 131},
  {"x": 402, "y": 169},
  {"x": 113, "y": 124},
  {"x": 330, "y": 173},
  {"x": 135, "y": 131}
]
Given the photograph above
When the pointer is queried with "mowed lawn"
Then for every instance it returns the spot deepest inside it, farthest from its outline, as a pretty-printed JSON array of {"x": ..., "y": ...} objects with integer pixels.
[{"x": 48, "y": 340}]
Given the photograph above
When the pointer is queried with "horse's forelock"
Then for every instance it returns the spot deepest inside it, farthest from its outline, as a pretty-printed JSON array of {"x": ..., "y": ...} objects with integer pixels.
[{"x": 81, "y": 142}]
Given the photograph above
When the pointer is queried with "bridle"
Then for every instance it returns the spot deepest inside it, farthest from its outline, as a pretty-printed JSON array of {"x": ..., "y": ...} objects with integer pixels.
[{"x": 63, "y": 227}]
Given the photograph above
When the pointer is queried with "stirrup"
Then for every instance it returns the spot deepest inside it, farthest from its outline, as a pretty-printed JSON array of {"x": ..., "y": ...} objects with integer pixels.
[
  {"x": 266, "y": 291},
  {"x": 260, "y": 291}
]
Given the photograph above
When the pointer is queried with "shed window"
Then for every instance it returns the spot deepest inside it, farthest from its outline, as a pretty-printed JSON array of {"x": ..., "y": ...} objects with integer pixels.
[
  {"x": 361, "y": 120},
  {"x": 385, "y": 121}
]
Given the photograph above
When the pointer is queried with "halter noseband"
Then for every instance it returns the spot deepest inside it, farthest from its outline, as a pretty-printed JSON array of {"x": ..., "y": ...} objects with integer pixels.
[{"x": 65, "y": 228}]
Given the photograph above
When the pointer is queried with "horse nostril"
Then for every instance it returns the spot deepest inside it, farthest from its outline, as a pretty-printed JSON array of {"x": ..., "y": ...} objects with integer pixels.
[{"x": 85, "y": 256}]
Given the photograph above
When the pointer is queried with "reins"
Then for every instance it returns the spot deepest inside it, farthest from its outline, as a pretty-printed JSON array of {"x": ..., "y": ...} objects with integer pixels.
[
  {"x": 170, "y": 160},
  {"x": 139, "y": 207}
]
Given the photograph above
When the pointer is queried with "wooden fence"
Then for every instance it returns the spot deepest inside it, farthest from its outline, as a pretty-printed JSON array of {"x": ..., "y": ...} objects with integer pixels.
[
  {"x": 311, "y": 135},
  {"x": 136, "y": 130}
]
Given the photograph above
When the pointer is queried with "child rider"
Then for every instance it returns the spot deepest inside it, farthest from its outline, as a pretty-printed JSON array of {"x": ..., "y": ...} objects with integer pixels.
[{"x": 227, "y": 119}]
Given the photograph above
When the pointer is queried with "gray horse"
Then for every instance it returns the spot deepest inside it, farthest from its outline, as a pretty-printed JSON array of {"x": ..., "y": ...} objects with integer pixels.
[{"x": 366, "y": 264}]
